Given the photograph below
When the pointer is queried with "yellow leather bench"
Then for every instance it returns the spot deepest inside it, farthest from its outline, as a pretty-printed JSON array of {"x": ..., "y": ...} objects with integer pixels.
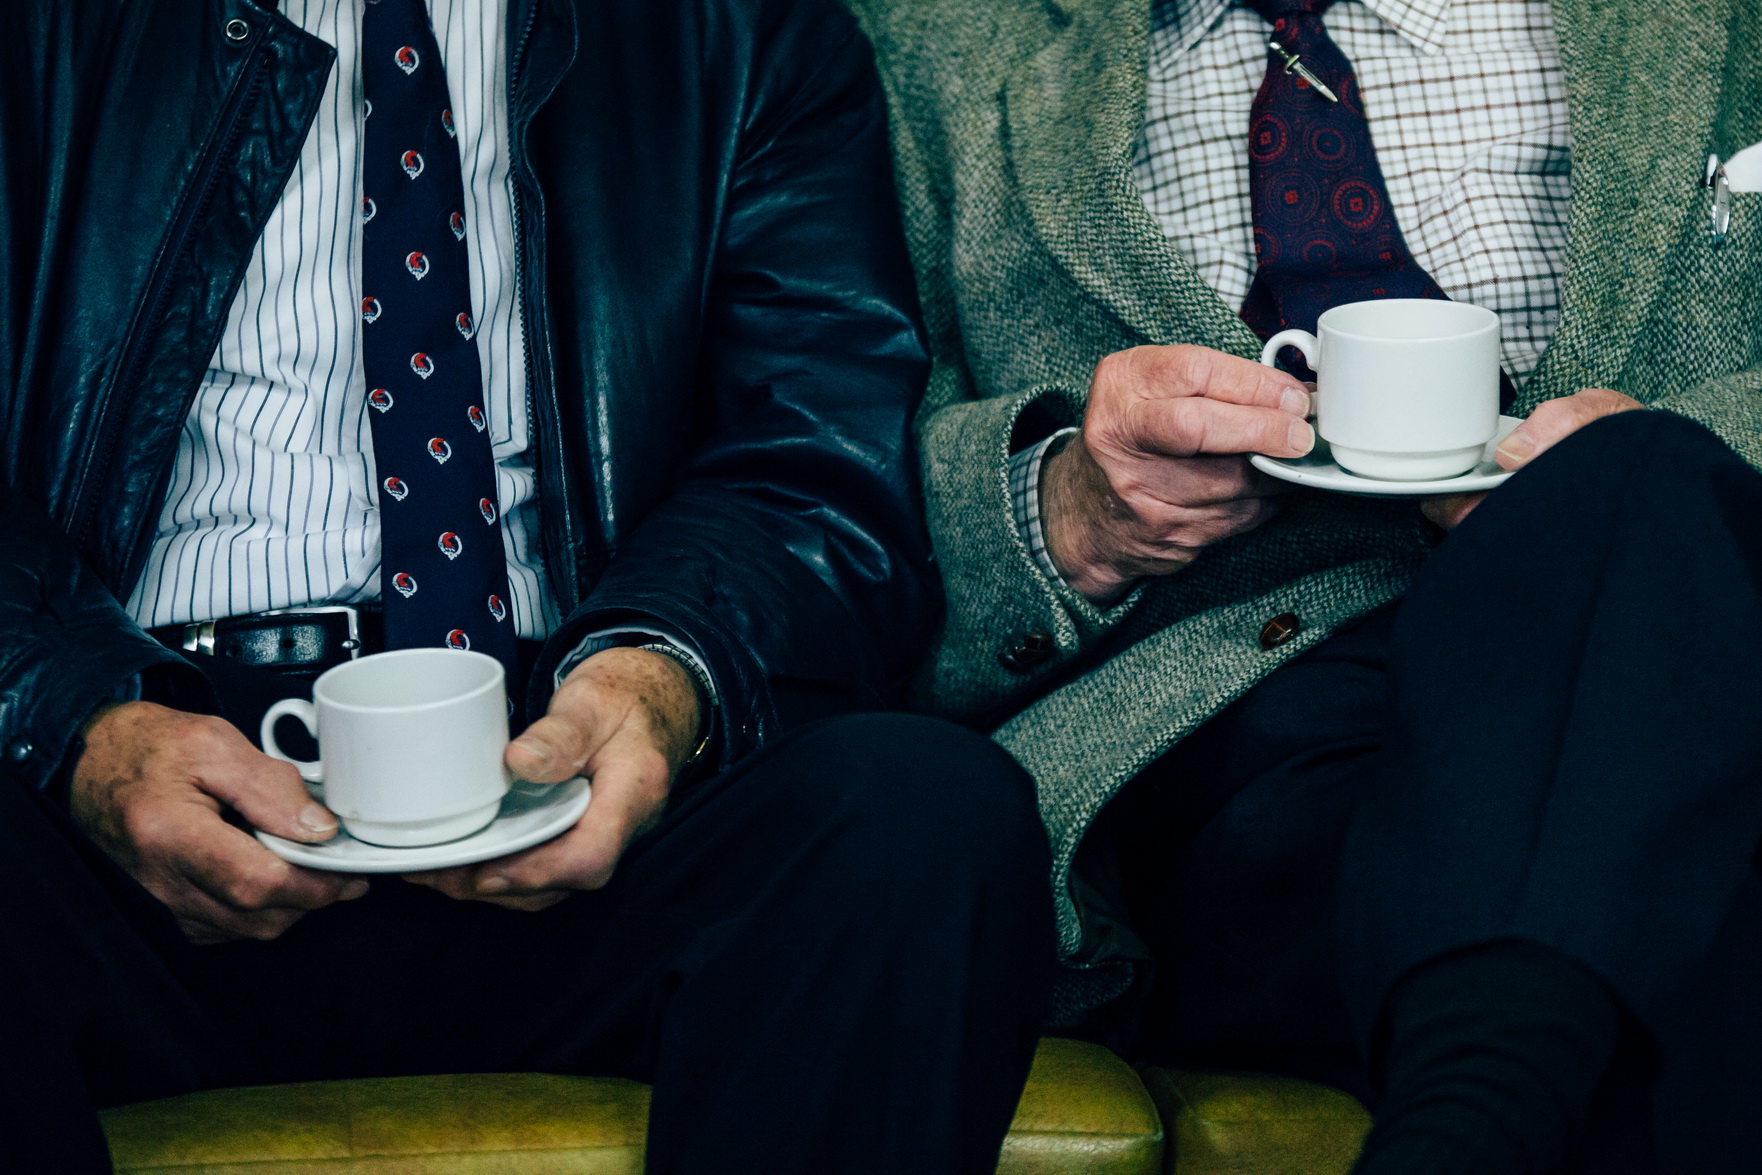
[
  {"x": 1249, "y": 1124},
  {"x": 1084, "y": 1111}
]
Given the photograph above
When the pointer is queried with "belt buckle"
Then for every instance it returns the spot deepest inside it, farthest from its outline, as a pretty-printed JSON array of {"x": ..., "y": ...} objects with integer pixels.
[{"x": 199, "y": 637}]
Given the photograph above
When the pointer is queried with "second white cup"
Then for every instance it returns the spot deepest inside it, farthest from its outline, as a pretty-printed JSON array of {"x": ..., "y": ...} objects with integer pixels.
[
  {"x": 411, "y": 744},
  {"x": 1407, "y": 389}
]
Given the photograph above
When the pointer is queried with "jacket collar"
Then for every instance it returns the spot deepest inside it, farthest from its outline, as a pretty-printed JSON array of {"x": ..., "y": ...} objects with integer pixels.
[
  {"x": 1422, "y": 23},
  {"x": 1071, "y": 113},
  {"x": 1642, "y": 82}
]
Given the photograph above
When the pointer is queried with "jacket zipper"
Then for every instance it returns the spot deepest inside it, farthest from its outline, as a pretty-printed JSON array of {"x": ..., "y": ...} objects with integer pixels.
[
  {"x": 85, "y": 512},
  {"x": 560, "y": 575}
]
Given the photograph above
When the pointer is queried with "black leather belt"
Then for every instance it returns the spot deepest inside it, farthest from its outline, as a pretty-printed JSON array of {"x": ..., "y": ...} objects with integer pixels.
[{"x": 301, "y": 642}]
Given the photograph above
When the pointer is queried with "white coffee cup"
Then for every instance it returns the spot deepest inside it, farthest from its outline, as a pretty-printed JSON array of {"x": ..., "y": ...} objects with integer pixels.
[
  {"x": 411, "y": 744},
  {"x": 1407, "y": 389}
]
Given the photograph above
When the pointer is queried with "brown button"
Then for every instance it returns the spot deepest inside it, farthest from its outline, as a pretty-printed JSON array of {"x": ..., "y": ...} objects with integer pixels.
[
  {"x": 1035, "y": 650},
  {"x": 1279, "y": 629}
]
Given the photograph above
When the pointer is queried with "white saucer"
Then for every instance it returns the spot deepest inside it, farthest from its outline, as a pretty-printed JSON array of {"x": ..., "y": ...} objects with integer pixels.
[
  {"x": 531, "y": 814},
  {"x": 1318, "y": 471}
]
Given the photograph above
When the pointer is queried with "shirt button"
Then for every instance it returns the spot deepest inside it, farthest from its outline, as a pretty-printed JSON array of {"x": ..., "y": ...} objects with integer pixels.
[
  {"x": 1279, "y": 629},
  {"x": 1035, "y": 649},
  {"x": 19, "y": 749}
]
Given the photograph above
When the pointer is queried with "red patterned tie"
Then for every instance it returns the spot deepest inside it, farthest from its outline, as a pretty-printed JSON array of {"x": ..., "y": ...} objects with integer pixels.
[
  {"x": 1324, "y": 229},
  {"x": 443, "y": 573}
]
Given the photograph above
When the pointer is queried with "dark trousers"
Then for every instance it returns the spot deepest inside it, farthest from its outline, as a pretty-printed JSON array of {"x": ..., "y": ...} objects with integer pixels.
[
  {"x": 832, "y": 958},
  {"x": 1556, "y": 736}
]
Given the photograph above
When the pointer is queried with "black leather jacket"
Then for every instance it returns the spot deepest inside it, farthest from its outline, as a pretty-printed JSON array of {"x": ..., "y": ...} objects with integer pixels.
[{"x": 720, "y": 325}]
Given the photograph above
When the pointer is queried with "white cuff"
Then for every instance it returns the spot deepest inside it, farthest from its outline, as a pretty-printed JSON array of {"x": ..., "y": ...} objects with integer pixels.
[
  {"x": 611, "y": 638},
  {"x": 1024, "y": 493}
]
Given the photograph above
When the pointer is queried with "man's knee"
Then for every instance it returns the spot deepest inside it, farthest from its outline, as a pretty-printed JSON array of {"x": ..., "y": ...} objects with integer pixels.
[
  {"x": 925, "y": 791},
  {"x": 1644, "y": 469},
  {"x": 1656, "y": 441}
]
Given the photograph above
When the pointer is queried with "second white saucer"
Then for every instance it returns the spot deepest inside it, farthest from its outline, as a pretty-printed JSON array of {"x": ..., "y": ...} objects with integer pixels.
[
  {"x": 1318, "y": 471},
  {"x": 531, "y": 814}
]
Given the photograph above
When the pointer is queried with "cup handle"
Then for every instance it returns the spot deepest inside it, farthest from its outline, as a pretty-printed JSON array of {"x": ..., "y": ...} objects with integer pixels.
[
  {"x": 1303, "y": 341},
  {"x": 306, "y": 712}
]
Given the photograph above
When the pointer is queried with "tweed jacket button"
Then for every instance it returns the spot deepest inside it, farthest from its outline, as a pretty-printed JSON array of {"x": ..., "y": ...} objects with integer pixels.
[
  {"x": 1279, "y": 629},
  {"x": 1035, "y": 650}
]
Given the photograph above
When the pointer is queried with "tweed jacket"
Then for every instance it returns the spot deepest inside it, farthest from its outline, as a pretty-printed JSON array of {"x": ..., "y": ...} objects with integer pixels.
[{"x": 1013, "y": 125}]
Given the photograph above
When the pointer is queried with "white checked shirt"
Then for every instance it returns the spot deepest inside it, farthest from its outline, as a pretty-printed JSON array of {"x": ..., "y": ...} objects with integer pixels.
[
  {"x": 1466, "y": 102},
  {"x": 1467, "y": 107}
]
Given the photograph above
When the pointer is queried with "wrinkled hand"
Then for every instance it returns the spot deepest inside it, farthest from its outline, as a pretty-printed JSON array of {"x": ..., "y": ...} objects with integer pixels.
[
  {"x": 150, "y": 790},
  {"x": 1159, "y": 470},
  {"x": 1551, "y": 423},
  {"x": 626, "y": 719}
]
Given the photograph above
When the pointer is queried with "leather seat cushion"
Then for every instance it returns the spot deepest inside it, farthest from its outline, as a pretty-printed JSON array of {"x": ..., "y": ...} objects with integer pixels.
[
  {"x": 1242, "y": 1124},
  {"x": 1084, "y": 1110}
]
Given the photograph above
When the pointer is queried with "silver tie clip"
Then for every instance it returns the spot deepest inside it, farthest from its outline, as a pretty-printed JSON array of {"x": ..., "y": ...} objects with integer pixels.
[
  {"x": 1294, "y": 64},
  {"x": 1719, "y": 220}
]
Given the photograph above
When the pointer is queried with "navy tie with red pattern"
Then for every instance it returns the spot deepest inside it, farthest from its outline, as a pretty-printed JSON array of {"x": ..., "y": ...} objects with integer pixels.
[
  {"x": 443, "y": 572},
  {"x": 1324, "y": 229}
]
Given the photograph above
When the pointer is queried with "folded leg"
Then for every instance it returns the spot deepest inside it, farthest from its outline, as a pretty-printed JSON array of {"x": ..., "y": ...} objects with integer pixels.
[
  {"x": 1553, "y": 740},
  {"x": 1574, "y": 758}
]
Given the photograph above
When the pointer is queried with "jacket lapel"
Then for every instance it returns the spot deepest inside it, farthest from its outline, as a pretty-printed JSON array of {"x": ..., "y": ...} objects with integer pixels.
[
  {"x": 1071, "y": 113},
  {"x": 1643, "y": 84}
]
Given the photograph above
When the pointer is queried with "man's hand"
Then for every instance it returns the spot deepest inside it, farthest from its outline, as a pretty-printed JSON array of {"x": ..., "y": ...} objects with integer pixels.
[
  {"x": 625, "y": 718},
  {"x": 150, "y": 790},
  {"x": 1551, "y": 423},
  {"x": 1158, "y": 472}
]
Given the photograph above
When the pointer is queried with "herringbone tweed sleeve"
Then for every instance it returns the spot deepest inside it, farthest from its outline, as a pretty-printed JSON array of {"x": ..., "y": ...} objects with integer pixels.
[{"x": 996, "y": 594}]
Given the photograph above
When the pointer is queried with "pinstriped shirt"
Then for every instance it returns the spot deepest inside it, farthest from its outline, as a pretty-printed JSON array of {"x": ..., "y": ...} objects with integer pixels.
[{"x": 271, "y": 502}]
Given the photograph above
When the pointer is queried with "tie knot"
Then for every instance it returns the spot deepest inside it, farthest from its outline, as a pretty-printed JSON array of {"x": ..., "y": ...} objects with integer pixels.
[{"x": 1272, "y": 10}]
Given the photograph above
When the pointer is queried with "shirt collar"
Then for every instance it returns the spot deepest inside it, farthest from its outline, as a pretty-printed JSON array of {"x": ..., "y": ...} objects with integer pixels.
[{"x": 1421, "y": 22}]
